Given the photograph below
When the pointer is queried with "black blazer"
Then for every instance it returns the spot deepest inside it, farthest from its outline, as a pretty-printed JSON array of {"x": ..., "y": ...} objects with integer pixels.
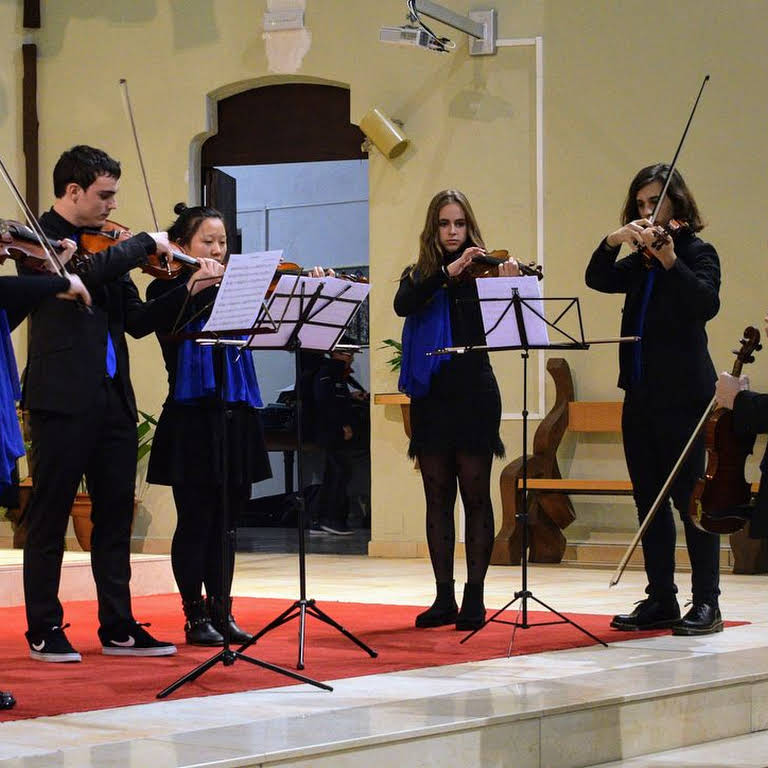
[
  {"x": 67, "y": 346},
  {"x": 750, "y": 416},
  {"x": 675, "y": 359}
]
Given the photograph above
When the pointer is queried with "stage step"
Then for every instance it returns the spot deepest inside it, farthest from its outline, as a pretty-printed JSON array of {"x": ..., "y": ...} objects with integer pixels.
[
  {"x": 150, "y": 575},
  {"x": 750, "y": 751},
  {"x": 605, "y": 549}
]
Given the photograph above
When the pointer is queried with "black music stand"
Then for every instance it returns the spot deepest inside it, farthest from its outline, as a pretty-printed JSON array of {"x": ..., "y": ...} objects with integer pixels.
[
  {"x": 516, "y": 304},
  {"x": 327, "y": 315},
  {"x": 226, "y": 655}
]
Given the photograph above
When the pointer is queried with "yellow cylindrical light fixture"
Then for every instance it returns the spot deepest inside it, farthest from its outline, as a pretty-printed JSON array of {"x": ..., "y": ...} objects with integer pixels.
[{"x": 385, "y": 135}]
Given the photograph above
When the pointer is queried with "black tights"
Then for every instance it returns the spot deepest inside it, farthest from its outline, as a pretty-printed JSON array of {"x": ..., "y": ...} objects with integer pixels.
[
  {"x": 196, "y": 555},
  {"x": 439, "y": 473}
]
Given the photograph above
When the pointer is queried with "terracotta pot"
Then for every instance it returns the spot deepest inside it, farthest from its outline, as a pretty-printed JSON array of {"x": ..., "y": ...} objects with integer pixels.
[{"x": 81, "y": 520}]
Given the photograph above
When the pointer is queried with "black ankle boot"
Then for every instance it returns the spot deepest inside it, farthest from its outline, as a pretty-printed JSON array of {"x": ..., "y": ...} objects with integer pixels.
[
  {"x": 198, "y": 629},
  {"x": 472, "y": 613},
  {"x": 443, "y": 611},
  {"x": 219, "y": 616}
]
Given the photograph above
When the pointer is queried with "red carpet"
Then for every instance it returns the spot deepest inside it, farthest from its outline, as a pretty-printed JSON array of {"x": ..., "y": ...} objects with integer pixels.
[{"x": 101, "y": 682}]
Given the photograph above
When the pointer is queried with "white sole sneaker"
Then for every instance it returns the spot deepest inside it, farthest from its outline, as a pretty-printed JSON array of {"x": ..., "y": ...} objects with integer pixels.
[
  {"x": 55, "y": 657},
  {"x": 167, "y": 650}
]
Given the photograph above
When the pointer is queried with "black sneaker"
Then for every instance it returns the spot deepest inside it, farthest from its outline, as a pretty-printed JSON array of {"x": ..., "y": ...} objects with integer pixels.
[
  {"x": 315, "y": 529},
  {"x": 131, "y": 639},
  {"x": 337, "y": 529},
  {"x": 51, "y": 645}
]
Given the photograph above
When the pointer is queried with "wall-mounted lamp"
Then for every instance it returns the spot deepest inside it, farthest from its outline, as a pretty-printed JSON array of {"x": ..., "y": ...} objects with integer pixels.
[{"x": 386, "y": 136}]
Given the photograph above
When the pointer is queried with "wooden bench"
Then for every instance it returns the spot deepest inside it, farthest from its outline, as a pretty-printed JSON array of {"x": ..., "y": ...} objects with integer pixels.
[{"x": 549, "y": 507}]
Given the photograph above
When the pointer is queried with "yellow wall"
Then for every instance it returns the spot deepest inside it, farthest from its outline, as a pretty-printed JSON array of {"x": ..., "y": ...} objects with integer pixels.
[{"x": 619, "y": 82}]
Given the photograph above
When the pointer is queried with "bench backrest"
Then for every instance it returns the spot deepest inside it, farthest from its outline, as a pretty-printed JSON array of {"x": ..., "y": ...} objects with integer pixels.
[{"x": 586, "y": 416}]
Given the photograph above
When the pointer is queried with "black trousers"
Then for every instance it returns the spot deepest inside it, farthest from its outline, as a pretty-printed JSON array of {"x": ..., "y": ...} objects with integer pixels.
[
  {"x": 654, "y": 436},
  {"x": 101, "y": 444}
]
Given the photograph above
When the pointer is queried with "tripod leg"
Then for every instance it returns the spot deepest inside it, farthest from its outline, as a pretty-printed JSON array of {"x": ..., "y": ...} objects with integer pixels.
[
  {"x": 194, "y": 674},
  {"x": 302, "y": 632},
  {"x": 323, "y": 616},
  {"x": 282, "y": 671},
  {"x": 492, "y": 618},
  {"x": 278, "y": 621},
  {"x": 568, "y": 621}
]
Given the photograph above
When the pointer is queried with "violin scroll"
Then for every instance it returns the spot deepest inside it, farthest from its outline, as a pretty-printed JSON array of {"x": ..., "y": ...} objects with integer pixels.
[{"x": 487, "y": 265}]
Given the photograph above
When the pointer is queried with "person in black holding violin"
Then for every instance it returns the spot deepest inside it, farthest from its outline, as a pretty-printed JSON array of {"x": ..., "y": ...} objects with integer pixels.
[
  {"x": 78, "y": 392},
  {"x": 455, "y": 401},
  {"x": 18, "y": 295},
  {"x": 671, "y": 290},
  {"x": 750, "y": 417},
  {"x": 186, "y": 447}
]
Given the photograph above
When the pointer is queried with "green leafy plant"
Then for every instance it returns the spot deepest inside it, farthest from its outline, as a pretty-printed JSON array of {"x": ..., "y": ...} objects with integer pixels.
[
  {"x": 145, "y": 431},
  {"x": 396, "y": 360}
]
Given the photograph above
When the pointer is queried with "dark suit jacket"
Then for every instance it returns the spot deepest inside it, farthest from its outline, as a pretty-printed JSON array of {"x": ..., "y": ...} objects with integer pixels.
[
  {"x": 750, "y": 416},
  {"x": 68, "y": 346},
  {"x": 675, "y": 360}
]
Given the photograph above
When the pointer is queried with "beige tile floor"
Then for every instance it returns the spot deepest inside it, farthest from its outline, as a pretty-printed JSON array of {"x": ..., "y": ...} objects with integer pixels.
[{"x": 294, "y": 723}]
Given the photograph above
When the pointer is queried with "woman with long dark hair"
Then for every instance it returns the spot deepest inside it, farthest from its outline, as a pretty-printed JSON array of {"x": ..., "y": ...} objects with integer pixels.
[
  {"x": 671, "y": 291},
  {"x": 455, "y": 402}
]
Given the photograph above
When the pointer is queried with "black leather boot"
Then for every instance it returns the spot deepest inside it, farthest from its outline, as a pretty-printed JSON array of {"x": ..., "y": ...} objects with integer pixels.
[
  {"x": 443, "y": 611},
  {"x": 651, "y": 613},
  {"x": 703, "y": 619},
  {"x": 219, "y": 616},
  {"x": 198, "y": 629},
  {"x": 472, "y": 613}
]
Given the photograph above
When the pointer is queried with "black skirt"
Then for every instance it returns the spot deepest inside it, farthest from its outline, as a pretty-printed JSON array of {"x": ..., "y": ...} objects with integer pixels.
[
  {"x": 461, "y": 413},
  {"x": 188, "y": 447}
]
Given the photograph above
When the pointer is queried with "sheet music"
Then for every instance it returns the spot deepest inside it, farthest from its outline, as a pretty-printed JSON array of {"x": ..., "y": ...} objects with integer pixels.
[
  {"x": 242, "y": 290},
  {"x": 335, "y": 306},
  {"x": 497, "y": 310}
]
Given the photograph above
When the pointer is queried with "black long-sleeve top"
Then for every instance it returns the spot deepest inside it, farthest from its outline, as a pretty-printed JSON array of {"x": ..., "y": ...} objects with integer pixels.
[
  {"x": 459, "y": 371},
  {"x": 68, "y": 346},
  {"x": 19, "y": 295},
  {"x": 675, "y": 360}
]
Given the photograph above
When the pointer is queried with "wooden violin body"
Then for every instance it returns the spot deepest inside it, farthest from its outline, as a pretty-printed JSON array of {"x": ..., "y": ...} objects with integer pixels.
[
  {"x": 665, "y": 232},
  {"x": 19, "y": 242},
  {"x": 720, "y": 498},
  {"x": 488, "y": 265}
]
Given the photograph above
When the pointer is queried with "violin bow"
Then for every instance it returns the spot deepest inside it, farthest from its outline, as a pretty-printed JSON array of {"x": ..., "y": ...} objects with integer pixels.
[
  {"x": 662, "y": 495},
  {"x": 677, "y": 154},
  {"x": 129, "y": 109}
]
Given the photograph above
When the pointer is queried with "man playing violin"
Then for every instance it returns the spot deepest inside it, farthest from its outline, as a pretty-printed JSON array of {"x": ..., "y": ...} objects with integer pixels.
[
  {"x": 750, "y": 416},
  {"x": 82, "y": 410},
  {"x": 671, "y": 287}
]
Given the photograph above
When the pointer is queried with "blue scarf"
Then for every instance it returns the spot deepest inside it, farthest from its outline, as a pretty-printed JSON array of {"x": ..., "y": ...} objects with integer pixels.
[
  {"x": 11, "y": 444},
  {"x": 196, "y": 377},
  {"x": 637, "y": 347},
  {"x": 424, "y": 331}
]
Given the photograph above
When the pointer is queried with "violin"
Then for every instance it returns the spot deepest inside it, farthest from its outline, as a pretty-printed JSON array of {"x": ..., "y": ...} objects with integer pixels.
[
  {"x": 720, "y": 498},
  {"x": 20, "y": 243},
  {"x": 664, "y": 233},
  {"x": 487, "y": 265},
  {"x": 158, "y": 265},
  {"x": 291, "y": 268}
]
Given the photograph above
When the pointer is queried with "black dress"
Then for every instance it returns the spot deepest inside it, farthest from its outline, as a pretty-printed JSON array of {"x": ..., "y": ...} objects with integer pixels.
[
  {"x": 187, "y": 446},
  {"x": 461, "y": 413}
]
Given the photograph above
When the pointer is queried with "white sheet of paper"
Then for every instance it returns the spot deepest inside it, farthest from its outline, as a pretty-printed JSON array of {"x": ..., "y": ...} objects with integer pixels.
[
  {"x": 328, "y": 317},
  {"x": 242, "y": 290},
  {"x": 506, "y": 333}
]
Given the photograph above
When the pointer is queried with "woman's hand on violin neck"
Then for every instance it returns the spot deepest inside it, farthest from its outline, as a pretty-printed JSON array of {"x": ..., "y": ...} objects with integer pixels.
[
  {"x": 629, "y": 234},
  {"x": 509, "y": 268},
  {"x": 76, "y": 290},
  {"x": 320, "y": 272},
  {"x": 456, "y": 267},
  {"x": 208, "y": 274}
]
